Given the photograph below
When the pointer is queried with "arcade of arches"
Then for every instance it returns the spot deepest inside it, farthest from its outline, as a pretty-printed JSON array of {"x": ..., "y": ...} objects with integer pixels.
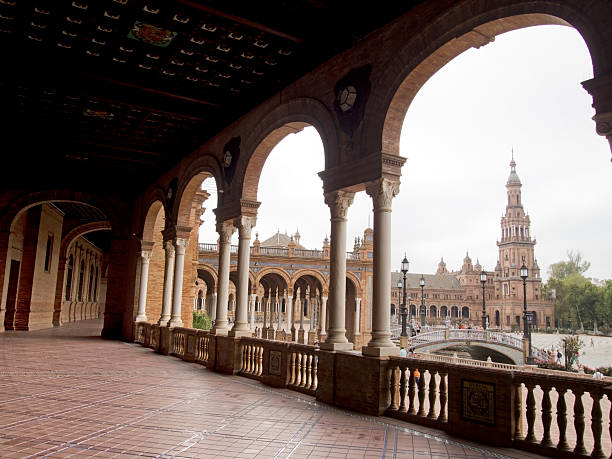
[{"x": 75, "y": 246}]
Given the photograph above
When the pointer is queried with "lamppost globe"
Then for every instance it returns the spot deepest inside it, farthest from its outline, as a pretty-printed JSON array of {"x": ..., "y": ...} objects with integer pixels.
[
  {"x": 405, "y": 264},
  {"x": 483, "y": 281}
]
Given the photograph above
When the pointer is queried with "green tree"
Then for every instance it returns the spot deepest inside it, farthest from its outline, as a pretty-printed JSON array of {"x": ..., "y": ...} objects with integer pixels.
[
  {"x": 201, "y": 321},
  {"x": 574, "y": 265}
]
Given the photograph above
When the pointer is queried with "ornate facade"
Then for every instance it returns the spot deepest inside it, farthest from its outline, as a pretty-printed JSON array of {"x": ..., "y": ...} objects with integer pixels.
[
  {"x": 457, "y": 296},
  {"x": 288, "y": 281}
]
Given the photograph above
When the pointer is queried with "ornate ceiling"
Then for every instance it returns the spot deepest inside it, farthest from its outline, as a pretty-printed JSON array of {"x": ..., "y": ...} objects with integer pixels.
[{"x": 122, "y": 89}]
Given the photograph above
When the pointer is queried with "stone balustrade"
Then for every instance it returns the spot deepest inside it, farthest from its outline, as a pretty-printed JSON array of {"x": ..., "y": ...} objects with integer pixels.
[{"x": 548, "y": 412}]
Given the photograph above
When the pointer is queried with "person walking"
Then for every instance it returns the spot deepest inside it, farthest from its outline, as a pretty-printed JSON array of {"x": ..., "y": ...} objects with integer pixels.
[
  {"x": 403, "y": 352},
  {"x": 417, "y": 375},
  {"x": 597, "y": 374}
]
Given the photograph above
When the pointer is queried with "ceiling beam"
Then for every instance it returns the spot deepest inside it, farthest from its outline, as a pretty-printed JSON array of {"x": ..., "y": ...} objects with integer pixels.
[{"x": 243, "y": 21}]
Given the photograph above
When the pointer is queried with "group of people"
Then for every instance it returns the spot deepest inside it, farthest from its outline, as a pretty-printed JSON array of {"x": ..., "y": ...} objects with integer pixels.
[{"x": 403, "y": 352}]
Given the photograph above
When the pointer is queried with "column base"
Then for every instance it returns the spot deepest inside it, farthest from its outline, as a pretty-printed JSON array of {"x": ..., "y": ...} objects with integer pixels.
[
  {"x": 337, "y": 346},
  {"x": 175, "y": 323},
  {"x": 163, "y": 321},
  {"x": 240, "y": 333},
  {"x": 380, "y": 351},
  {"x": 140, "y": 318},
  {"x": 219, "y": 331}
]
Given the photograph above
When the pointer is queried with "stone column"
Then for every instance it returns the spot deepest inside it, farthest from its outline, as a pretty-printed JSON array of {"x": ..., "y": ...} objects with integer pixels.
[
  {"x": 168, "y": 283},
  {"x": 357, "y": 315},
  {"x": 212, "y": 305},
  {"x": 145, "y": 257},
  {"x": 290, "y": 324},
  {"x": 278, "y": 311},
  {"x": 225, "y": 230},
  {"x": 382, "y": 192},
  {"x": 252, "y": 308},
  {"x": 177, "y": 290},
  {"x": 338, "y": 202},
  {"x": 323, "y": 319},
  {"x": 241, "y": 325}
]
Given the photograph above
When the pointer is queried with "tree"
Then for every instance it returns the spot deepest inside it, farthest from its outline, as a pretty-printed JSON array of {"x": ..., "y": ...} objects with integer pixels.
[
  {"x": 571, "y": 345},
  {"x": 574, "y": 265}
]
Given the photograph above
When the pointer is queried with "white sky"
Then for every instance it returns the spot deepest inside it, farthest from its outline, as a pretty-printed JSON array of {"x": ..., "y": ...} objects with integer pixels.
[{"x": 522, "y": 91}]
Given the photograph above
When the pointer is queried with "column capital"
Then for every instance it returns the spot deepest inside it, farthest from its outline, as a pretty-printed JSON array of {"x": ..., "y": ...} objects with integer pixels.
[
  {"x": 146, "y": 255},
  {"x": 225, "y": 230},
  {"x": 603, "y": 124},
  {"x": 146, "y": 246},
  {"x": 339, "y": 202},
  {"x": 180, "y": 243},
  {"x": 382, "y": 191},
  {"x": 244, "y": 224},
  {"x": 169, "y": 248}
]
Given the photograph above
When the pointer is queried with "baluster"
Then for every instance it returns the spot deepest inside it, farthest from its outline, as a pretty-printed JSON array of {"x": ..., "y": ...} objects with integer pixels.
[
  {"x": 253, "y": 355},
  {"x": 443, "y": 398},
  {"x": 421, "y": 386},
  {"x": 562, "y": 420},
  {"x": 308, "y": 370},
  {"x": 531, "y": 412},
  {"x": 609, "y": 394},
  {"x": 260, "y": 360},
  {"x": 303, "y": 368},
  {"x": 245, "y": 360},
  {"x": 402, "y": 407},
  {"x": 546, "y": 415},
  {"x": 432, "y": 394},
  {"x": 315, "y": 377},
  {"x": 579, "y": 421},
  {"x": 518, "y": 412},
  {"x": 411, "y": 391},
  {"x": 298, "y": 369},
  {"x": 292, "y": 369},
  {"x": 392, "y": 378},
  {"x": 596, "y": 425}
]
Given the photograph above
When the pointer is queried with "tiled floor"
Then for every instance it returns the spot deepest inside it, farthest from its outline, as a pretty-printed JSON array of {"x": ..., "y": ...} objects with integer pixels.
[{"x": 66, "y": 393}]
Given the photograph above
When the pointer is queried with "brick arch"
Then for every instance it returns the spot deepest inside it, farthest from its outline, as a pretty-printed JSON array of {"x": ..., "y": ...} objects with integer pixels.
[
  {"x": 280, "y": 272},
  {"x": 190, "y": 180},
  {"x": 417, "y": 59},
  {"x": 154, "y": 211},
  {"x": 209, "y": 276},
  {"x": 24, "y": 202},
  {"x": 313, "y": 273},
  {"x": 154, "y": 202},
  {"x": 67, "y": 240},
  {"x": 290, "y": 117},
  {"x": 356, "y": 282}
]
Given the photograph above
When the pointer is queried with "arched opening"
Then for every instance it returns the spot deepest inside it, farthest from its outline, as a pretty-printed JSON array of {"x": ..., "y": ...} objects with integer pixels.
[
  {"x": 55, "y": 251},
  {"x": 153, "y": 246},
  {"x": 272, "y": 289}
]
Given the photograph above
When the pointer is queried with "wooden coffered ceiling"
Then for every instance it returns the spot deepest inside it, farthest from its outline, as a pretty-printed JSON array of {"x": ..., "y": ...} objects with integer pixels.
[{"x": 122, "y": 89}]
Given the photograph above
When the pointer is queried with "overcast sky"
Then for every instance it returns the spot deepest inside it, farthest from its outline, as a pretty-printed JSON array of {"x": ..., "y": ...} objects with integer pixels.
[{"x": 521, "y": 92}]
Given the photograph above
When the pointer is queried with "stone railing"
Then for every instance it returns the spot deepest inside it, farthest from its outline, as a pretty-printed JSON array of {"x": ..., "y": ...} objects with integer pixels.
[
  {"x": 252, "y": 358},
  {"x": 141, "y": 332},
  {"x": 544, "y": 406},
  {"x": 202, "y": 347},
  {"x": 274, "y": 251},
  {"x": 547, "y": 412},
  {"x": 305, "y": 253},
  {"x": 205, "y": 247},
  {"x": 418, "y": 391},
  {"x": 303, "y": 366}
]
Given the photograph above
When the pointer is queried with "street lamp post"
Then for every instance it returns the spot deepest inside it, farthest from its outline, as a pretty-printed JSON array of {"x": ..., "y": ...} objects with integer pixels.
[
  {"x": 423, "y": 311},
  {"x": 483, "y": 281},
  {"x": 526, "y": 326},
  {"x": 403, "y": 310}
]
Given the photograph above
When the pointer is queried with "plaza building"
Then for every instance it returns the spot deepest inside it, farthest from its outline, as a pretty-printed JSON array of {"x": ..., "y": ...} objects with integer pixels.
[
  {"x": 456, "y": 297},
  {"x": 289, "y": 288}
]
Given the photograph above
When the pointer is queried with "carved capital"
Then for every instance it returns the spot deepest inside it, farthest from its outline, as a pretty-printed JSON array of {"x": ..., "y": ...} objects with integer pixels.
[
  {"x": 244, "y": 224},
  {"x": 169, "y": 248},
  {"x": 603, "y": 124},
  {"x": 146, "y": 255},
  {"x": 225, "y": 230},
  {"x": 339, "y": 202},
  {"x": 382, "y": 192},
  {"x": 180, "y": 244}
]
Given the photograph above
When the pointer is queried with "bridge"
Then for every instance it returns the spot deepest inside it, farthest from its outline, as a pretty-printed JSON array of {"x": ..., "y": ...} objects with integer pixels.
[{"x": 511, "y": 346}]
